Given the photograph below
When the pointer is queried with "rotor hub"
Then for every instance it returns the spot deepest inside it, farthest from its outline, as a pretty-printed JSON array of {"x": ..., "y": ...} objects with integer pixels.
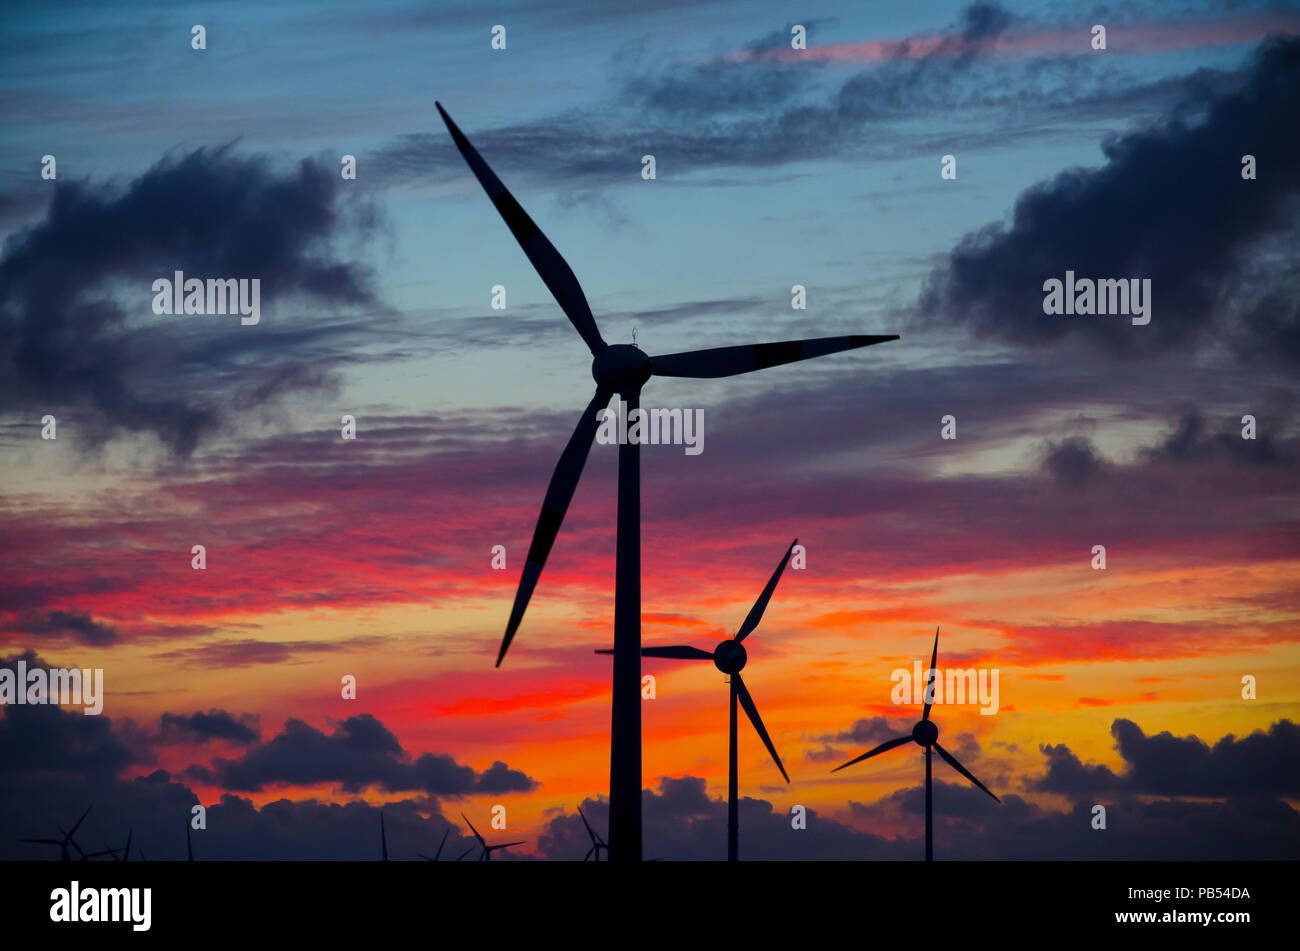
[
  {"x": 925, "y": 733},
  {"x": 621, "y": 368},
  {"x": 730, "y": 657}
]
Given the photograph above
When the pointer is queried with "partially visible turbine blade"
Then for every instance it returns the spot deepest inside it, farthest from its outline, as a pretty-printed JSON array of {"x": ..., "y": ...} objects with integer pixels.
[
  {"x": 756, "y": 612},
  {"x": 952, "y": 761},
  {"x": 751, "y": 711},
  {"x": 550, "y": 266},
  {"x": 79, "y": 821},
  {"x": 587, "y": 857},
  {"x": 887, "y": 745},
  {"x": 42, "y": 841},
  {"x": 729, "y": 361},
  {"x": 437, "y": 855},
  {"x": 932, "y": 678},
  {"x": 503, "y": 845},
  {"x": 558, "y": 496},
  {"x": 591, "y": 833},
  {"x": 679, "y": 652},
  {"x": 475, "y": 831},
  {"x": 465, "y": 853},
  {"x": 425, "y": 857}
]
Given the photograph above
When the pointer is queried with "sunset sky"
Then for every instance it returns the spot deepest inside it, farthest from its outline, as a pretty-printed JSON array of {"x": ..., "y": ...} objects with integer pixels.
[{"x": 775, "y": 167}]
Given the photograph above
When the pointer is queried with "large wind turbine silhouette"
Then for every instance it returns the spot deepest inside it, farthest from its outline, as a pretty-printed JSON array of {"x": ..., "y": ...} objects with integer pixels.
[
  {"x": 730, "y": 658},
  {"x": 487, "y": 849},
  {"x": 64, "y": 855},
  {"x": 621, "y": 369},
  {"x": 926, "y": 735}
]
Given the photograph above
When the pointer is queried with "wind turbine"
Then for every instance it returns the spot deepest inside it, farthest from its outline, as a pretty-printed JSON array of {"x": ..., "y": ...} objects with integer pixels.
[
  {"x": 439, "y": 852},
  {"x": 926, "y": 735},
  {"x": 730, "y": 658},
  {"x": 597, "y": 843},
  {"x": 64, "y": 855},
  {"x": 621, "y": 369},
  {"x": 126, "y": 852},
  {"x": 487, "y": 849}
]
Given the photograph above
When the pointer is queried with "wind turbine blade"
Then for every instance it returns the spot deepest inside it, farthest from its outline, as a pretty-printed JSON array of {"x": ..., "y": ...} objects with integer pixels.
[
  {"x": 503, "y": 845},
  {"x": 126, "y": 853},
  {"x": 591, "y": 833},
  {"x": 475, "y": 831},
  {"x": 887, "y": 745},
  {"x": 558, "y": 495},
  {"x": 756, "y": 612},
  {"x": 465, "y": 853},
  {"x": 934, "y": 673},
  {"x": 550, "y": 266},
  {"x": 587, "y": 857},
  {"x": 43, "y": 841},
  {"x": 679, "y": 652},
  {"x": 79, "y": 822},
  {"x": 425, "y": 857},
  {"x": 383, "y": 837},
  {"x": 952, "y": 761},
  {"x": 751, "y": 711},
  {"x": 730, "y": 361},
  {"x": 437, "y": 855}
]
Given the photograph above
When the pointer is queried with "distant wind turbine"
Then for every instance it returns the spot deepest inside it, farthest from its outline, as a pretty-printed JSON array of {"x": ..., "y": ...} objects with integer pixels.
[
  {"x": 126, "y": 851},
  {"x": 437, "y": 854},
  {"x": 622, "y": 369},
  {"x": 730, "y": 658},
  {"x": 597, "y": 843},
  {"x": 487, "y": 849},
  {"x": 67, "y": 840},
  {"x": 926, "y": 735}
]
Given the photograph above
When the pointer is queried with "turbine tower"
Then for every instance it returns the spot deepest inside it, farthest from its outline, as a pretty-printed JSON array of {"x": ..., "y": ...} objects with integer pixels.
[
  {"x": 730, "y": 658},
  {"x": 621, "y": 369},
  {"x": 925, "y": 734}
]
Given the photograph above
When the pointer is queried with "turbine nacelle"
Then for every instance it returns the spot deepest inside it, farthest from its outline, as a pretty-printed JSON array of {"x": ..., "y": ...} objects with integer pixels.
[
  {"x": 925, "y": 733},
  {"x": 621, "y": 368},
  {"x": 730, "y": 657}
]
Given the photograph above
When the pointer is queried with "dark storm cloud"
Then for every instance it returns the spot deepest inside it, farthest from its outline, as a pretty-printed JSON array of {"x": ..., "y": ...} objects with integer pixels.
[
  {"x": 361, "y": 752},
  {"x": 1261, "y": 764},
  {"x": 1073, "y": 462},
  {"x": 1170, "y": 205},
  {"x": 43, "y": 739},
  {"x": 72, "y": 626},
  {"x": 1190, "y": 442},
  {"x": 70, "y": 283},
  {"x": 200, "y": 727},
  {"x": 59, "y": 762}
]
